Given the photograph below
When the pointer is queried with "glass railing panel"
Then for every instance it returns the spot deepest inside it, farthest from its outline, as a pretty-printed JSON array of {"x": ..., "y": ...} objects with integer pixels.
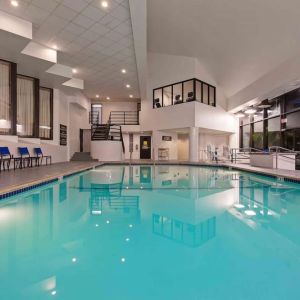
[
  {"x": 188, "y": 91},
  {"x": 167, "y": 96},
  {"x": 205, "y": 93},
  {"x": 198, "y": 90},
  {"x": 157, "y": 101},
  {"x": 212, "y": 97},
  {"x": 177, "y": 93}
]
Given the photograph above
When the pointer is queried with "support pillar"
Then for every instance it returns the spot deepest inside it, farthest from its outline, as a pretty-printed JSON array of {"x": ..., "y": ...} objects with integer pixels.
[{"x": 194, "y": 144}]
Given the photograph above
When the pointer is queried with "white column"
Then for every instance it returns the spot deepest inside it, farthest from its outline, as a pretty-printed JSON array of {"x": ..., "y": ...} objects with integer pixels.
[{"x": 194, "y": 144}]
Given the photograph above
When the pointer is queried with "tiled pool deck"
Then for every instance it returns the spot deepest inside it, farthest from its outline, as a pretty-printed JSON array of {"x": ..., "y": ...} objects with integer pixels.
[{"x": 20, "y": 180}]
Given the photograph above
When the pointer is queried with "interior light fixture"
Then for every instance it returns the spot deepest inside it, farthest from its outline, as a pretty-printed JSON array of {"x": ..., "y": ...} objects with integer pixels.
[
  {"x": 74, "y": 71},
  {"x": 97, "y": 96},
  {"x": 14, "y": 3},
  {"x": 107, "y": 98},
  {"x": 250, "y": 111},
  {"x": 128, "y": 86},
  {"x": 123, "y": 71},
  {"x": 54, "y": 47},
  {"x": 104, "y": 4},
  {"x": 264, "y": 104},
  {"x": 130, "y": 96},
  {"x": 240, "y": 115}
]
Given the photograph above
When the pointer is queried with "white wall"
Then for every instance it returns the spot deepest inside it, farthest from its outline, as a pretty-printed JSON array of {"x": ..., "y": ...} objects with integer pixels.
[
  {"x": 166, "y": 69},
  {"x": 215, "y": 118},
  {"x": 183, "y": 146},
  {"x": 71, "y": 110}
]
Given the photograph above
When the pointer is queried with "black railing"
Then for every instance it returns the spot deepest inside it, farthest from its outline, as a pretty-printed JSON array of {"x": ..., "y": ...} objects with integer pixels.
[
  {"x": 184, "y": 91},
  {"x": 107, "y": 132},
  {"x": 124, "y": 117}
]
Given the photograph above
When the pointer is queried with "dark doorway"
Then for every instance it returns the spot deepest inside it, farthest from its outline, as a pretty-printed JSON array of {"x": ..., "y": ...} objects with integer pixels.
[
  {"x": 85, "y": 140},
  {"x": 292, "y": 139},
  {"x": 145, "y": 147}
]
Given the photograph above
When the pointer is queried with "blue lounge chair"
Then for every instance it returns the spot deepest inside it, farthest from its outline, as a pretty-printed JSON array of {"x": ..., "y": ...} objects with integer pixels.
[
  {"x": 6, "y": 158},
  {"x": 40, "y": 156},
  {"x": 26, "y": 158}
]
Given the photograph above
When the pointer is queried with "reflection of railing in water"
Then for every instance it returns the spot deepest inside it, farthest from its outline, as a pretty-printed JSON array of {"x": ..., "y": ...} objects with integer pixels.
[
  {"x": 108, "y": 196},
  {"x": 185, "y": 233}
]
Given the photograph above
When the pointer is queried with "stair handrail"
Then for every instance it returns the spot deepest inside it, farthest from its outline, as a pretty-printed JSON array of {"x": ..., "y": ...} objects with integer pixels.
[
  {"x": 234, "y": 152},
  {"x": 282, "y": 148},
  {"x": 282, "y": 154}
]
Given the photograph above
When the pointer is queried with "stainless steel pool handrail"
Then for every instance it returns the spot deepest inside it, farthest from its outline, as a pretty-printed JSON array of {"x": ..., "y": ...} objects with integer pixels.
[
  {"x": 243, "y": 152},
  {"x": 282, "y": 154}
]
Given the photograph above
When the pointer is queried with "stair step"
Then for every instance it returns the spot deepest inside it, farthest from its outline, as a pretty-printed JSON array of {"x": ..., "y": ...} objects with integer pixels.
[{"x": 82, "y": 156}]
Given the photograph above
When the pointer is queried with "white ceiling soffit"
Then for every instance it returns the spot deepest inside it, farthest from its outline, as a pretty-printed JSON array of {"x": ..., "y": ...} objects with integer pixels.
[
  {"x": 61, "y": 70},
  {"x": 97, "y": 41},
  {"x": 15, "y": 25},
  {"x": 75, "y": 83},
  {"x": 238, "y": 41},
  {"x": 38, "y": 51}
]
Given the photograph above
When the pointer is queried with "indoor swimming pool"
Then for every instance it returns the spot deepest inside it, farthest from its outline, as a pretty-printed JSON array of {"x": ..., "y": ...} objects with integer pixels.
[{"x": 152, "y": 232}]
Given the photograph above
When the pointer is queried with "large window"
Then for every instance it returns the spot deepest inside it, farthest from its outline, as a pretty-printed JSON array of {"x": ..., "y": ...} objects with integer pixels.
[
  {"x": 184, "y": 91},
  {"x": 25, "y": 106},
  {"x": 258, "y": 135},
  {"x": 5, "y": 98},
  {"x": 274, "y": 135},
  {"x": 45, "y": 131},
  {"x": 246, "y": 136}
]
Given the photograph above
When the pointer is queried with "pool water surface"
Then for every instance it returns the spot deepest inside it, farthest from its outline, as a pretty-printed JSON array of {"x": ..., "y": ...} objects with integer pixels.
[{"x": 152, "y": 232}]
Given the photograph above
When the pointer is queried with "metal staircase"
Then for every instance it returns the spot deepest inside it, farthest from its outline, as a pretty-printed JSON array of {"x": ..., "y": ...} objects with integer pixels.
[{"x": 107, "y": 132}]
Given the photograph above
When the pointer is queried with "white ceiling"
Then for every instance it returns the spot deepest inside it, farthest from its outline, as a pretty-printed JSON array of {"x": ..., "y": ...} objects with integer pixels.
[
  {"x": 97, "y": 42},
  {"x": 237, "y": 41}
]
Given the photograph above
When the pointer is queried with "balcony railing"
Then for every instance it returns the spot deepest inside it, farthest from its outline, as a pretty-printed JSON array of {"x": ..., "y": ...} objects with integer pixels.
[
  {"x": 183, "y": 92},
  {"x": 124, "y": 117}
]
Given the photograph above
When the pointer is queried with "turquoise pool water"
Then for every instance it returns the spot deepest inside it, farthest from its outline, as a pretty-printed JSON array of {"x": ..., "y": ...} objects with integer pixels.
[{"x": 163, "y": 232}]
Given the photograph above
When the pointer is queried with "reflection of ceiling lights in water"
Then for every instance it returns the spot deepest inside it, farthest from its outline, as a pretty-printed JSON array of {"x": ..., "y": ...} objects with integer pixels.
[
  {"x": 238, "y": 205},
  {"x": 250, "y": 212}
]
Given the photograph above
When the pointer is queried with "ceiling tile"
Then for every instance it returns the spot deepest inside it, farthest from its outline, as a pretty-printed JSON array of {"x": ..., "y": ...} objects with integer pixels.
[
  {"x": 93, "y": 13},
  {"x": 99, "y": 29},
  {"x": 77, "y": 5},
  {"x": 48, "y": 5},
  {"x": 65, "y": 12},
  {"x": 83, "y": 21}
]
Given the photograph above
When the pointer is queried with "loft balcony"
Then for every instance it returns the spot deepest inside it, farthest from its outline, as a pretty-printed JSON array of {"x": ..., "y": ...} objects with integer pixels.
[{"x": 183, "y": 92}]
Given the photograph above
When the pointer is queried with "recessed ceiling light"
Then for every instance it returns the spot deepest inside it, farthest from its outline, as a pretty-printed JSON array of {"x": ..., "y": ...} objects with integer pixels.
[
  {"x": 128, "y": 86},
  {"x": 74, "y": 71},
  {"x": 97, "y": 96},
  {"x": 107, "y": 98},
  {"x": 104, "y": 4},
  {"x": 130, "y": 96},
  {"x": 123, "y": 71},
  {"x": 14, "y": 3}
]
